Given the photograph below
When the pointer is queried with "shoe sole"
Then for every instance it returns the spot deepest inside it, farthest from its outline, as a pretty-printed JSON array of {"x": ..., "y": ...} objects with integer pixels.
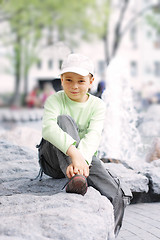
[{"x": 77, "y": 184}]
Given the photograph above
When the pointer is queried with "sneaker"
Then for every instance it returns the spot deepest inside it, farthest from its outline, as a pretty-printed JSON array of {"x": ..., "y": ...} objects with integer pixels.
[{"x": 77, "y": 184}]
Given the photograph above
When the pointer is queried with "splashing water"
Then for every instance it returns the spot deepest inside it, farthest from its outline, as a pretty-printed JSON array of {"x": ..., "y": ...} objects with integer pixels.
[{"x": 120, "y": 138}]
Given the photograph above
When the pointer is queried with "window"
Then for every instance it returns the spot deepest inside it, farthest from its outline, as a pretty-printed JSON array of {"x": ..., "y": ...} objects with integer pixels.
[
  {"x": 50, "y": 64},
  {"x": 133, "y": 68},
  {"x": 133, "y": 36},
  {"x": 157, "y": 68},
  {"x": 39, "y": 64}
]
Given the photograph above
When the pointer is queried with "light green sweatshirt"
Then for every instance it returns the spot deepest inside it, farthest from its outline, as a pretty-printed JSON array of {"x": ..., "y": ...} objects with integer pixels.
[{"x": 89, "y": 117}]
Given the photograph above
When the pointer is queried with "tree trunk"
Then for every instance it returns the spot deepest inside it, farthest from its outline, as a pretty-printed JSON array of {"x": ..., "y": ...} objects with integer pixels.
[
  {"x": 25, "y": 93},
  {"x": 106, "y": 49},
  {"x": 117, "y": 32},
  {"x": 16, "y": 101}
]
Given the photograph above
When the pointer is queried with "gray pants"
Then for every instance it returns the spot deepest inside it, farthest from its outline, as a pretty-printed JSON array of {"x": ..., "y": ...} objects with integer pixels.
[{"x": 99, "y": 177}]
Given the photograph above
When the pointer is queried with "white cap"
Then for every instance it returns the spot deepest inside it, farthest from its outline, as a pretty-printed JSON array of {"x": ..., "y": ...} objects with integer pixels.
[{"x": 77, "y": 63}]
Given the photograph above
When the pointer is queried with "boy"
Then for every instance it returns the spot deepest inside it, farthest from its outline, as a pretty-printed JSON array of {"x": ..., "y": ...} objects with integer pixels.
[{"x": 72, "y": 125}]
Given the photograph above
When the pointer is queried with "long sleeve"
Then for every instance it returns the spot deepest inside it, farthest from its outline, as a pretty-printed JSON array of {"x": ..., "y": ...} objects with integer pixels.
[
  {"x": 89, "y": 117},
  {"x": 90, "y": 142},
  {"x": 50, "y": 129}
]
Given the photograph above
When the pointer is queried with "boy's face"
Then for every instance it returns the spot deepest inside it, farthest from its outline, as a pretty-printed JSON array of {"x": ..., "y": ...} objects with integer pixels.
[{"x": 76, "y": 86}]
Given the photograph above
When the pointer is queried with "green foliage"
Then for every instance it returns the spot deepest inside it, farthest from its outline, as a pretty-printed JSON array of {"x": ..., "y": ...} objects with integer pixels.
[
  {"x": 28, "y": 18},
  {"x": 154, "y": 22},
  {"x": 153, "y": 19}
]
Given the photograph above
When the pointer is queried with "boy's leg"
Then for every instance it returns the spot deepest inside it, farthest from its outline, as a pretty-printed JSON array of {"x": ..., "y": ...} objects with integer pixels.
[
  {"x": 78, "y": 183},
  {"x": 68, "y": 125},
  {"x": 100, "y": 179},
  {"x": 57, "y": 164}
]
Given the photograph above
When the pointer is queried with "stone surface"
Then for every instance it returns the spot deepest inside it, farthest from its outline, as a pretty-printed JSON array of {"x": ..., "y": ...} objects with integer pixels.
[
  {"x": 136, "y": 182},
  {"x": 142, "y": 175},
  {"x": 42, "y": 210},
  {"x": 137, "y": 179},
  {"x": 154, "y": 176},
  {"x": 27, "y": 207},
  {"x": 22, "y": 114},
  {"x": 152, "y": 172},
  {"x": 22, "y": 136},
  {"x": 59, "y": 216}
]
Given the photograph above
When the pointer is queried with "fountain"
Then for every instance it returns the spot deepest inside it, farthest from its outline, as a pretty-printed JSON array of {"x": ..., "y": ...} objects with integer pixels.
[{"x": 120, "y": 138}]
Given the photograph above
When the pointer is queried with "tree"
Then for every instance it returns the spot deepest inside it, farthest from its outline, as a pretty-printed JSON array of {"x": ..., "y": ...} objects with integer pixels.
[
  {"x": 121, "y": 26},
  {"x": 24, "y": 31},
  {"x": 153, "y": 19},
  {"x": 28, "y": 19}
]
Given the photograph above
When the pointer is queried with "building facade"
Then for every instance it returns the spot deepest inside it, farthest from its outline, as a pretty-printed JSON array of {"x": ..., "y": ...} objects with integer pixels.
[{"x": 140, "y": 47}]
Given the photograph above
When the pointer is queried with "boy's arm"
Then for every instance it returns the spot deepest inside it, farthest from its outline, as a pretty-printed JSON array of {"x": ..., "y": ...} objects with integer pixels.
[
  {"x": 50, "y": 129},
  {"x": 90, "y": 142},
  {"x": 78, "y": 165},
  {"x": 63, "y": 141}
]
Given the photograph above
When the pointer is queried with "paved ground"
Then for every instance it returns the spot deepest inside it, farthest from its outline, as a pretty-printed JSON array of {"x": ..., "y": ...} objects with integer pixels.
[{"x": 141, "y": 222}]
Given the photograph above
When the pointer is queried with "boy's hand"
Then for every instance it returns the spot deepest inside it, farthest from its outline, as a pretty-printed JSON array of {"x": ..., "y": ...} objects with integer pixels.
[
  {"x": 82, "y": 169},
  {"x": 78, "y": 165}
]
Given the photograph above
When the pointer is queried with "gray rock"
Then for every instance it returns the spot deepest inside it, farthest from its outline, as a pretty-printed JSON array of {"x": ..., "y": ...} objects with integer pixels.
[
  {"x": 154, "y": 176},
  {"x": 144, "y": 174},
  {"x": 42, "y": 210},
  {"x": 59, "y": 216},
  {"x": 136, "y": 182},
  {"x": 152, "y": 172},
  {"x": 21, "y": 115}
]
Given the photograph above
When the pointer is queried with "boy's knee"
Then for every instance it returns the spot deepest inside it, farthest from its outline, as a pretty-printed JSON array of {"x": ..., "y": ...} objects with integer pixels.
[
  {"x": 63, "y": 118},
  {"x": 64, "y": 121},
  {"x": 68, "y": 125}
]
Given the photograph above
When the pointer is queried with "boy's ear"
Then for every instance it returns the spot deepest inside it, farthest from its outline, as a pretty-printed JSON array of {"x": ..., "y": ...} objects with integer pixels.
[{"x": 61, "y": 79}]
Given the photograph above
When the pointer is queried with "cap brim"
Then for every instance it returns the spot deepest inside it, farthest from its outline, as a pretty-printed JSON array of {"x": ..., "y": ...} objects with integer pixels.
[{"x": 77, "y": 70}]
